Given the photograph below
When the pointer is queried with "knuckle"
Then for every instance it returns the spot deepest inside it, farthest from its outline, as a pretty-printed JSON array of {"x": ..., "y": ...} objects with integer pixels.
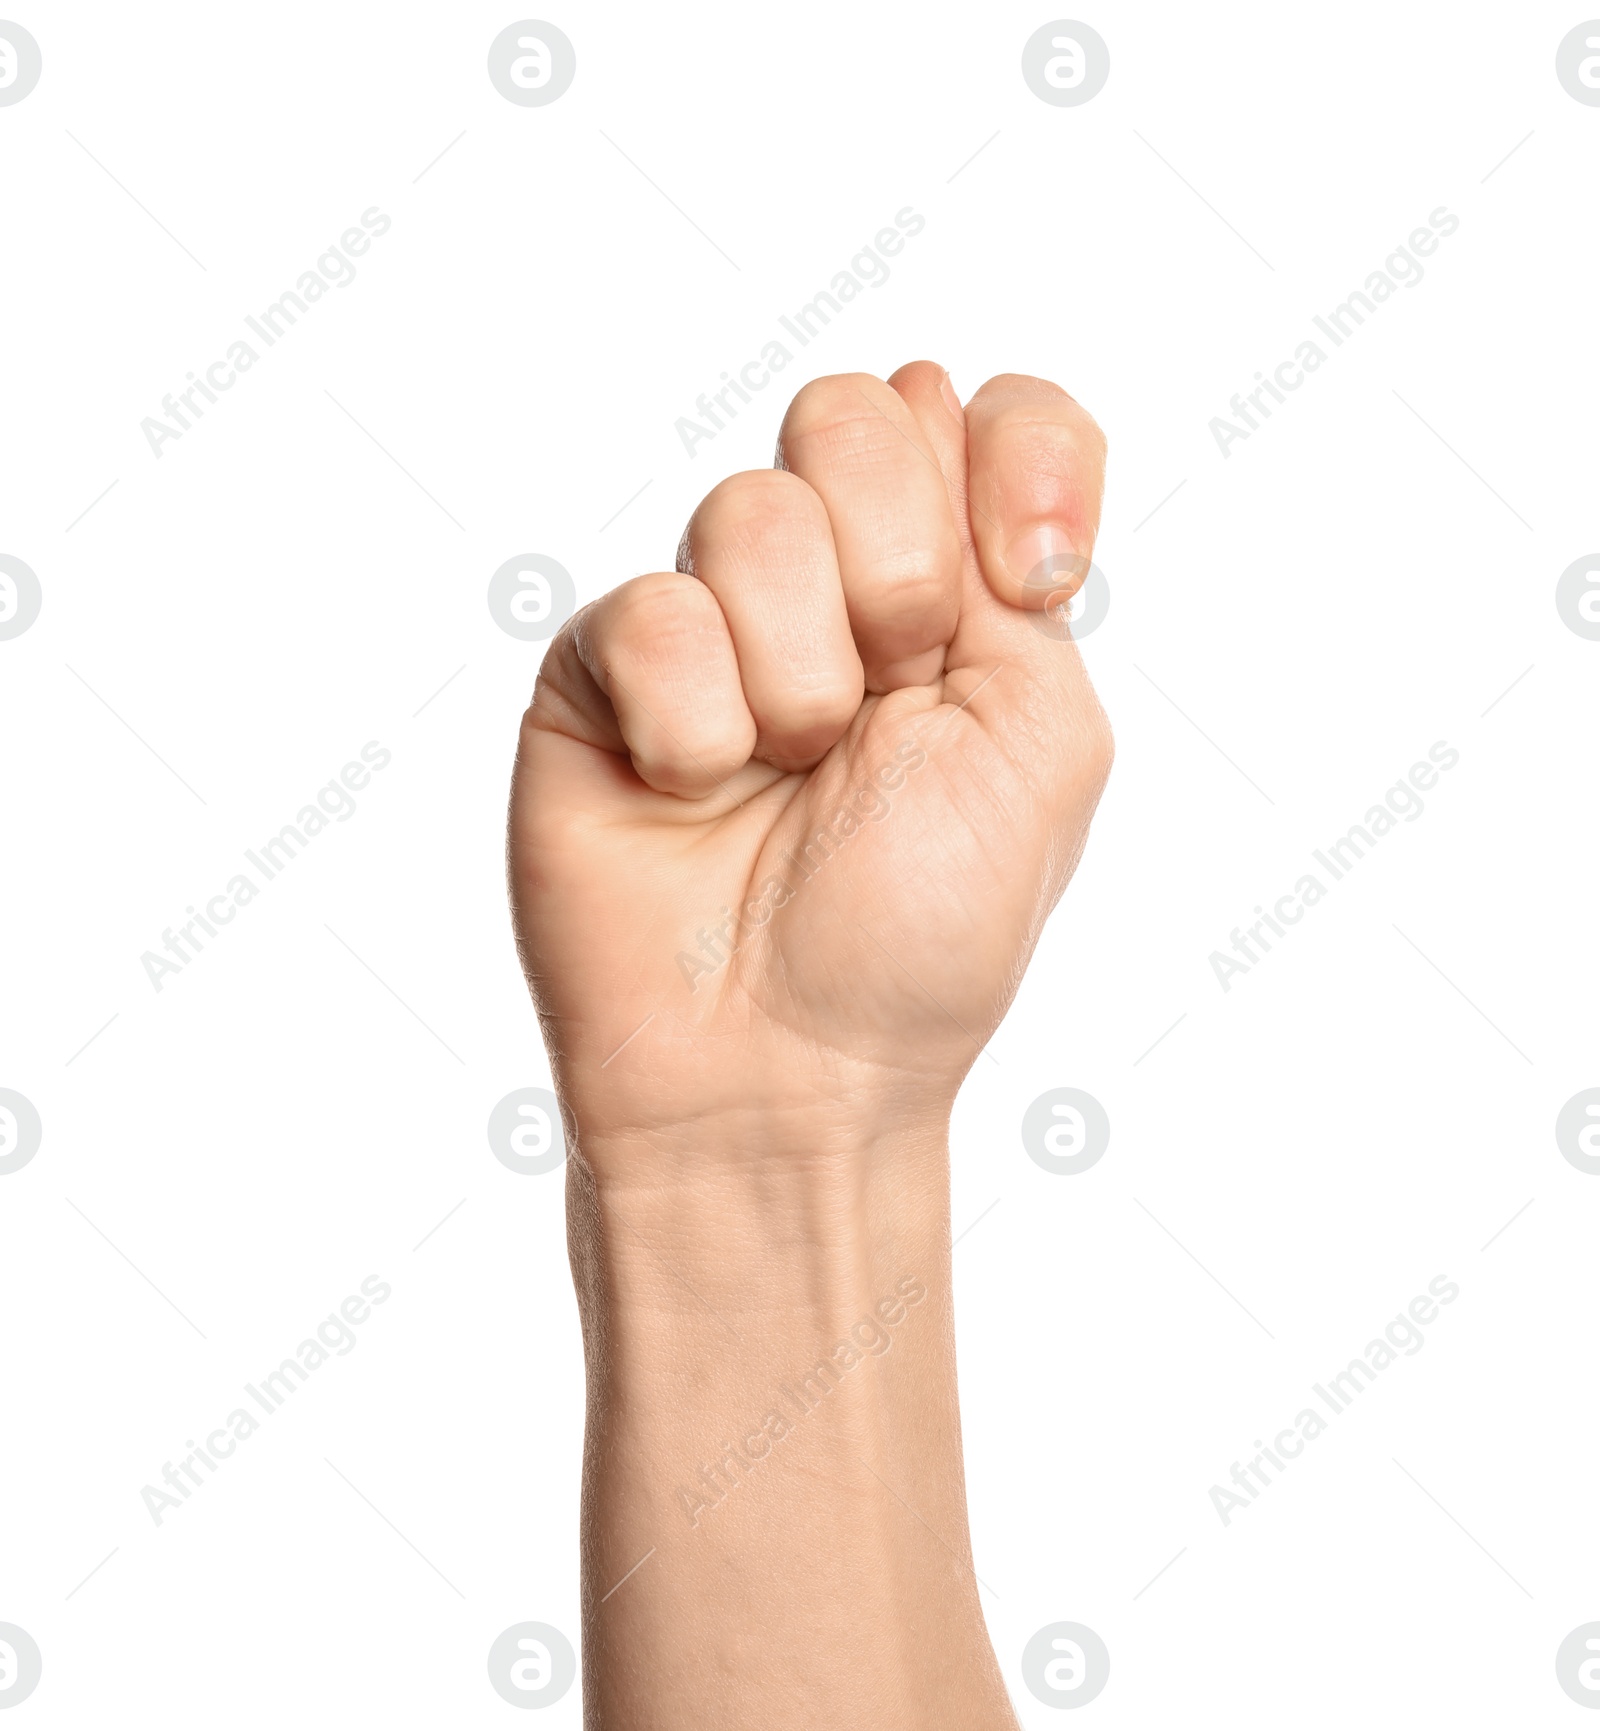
[
  {"x": 1022, "y": 388},
  {"x": 656, "y": 611},
  {"x": 696, "y": 763},
  {"x": 908, "y": 583},
  {"x": 838, "y": 397},
  {"x": 672, "y": 642},
  {"x": 823, "y": 708},
  {"x": 746, "y": 512},
  {"x": 1018, "y": 400},
  {"x": 851, "y": 421}
]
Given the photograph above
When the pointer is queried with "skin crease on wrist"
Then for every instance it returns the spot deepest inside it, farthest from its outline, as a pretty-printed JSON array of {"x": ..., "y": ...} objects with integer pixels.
[{"x": 786, "y": 824}]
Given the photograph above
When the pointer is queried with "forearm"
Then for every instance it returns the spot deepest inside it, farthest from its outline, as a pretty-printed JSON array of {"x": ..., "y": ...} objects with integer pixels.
[
  {"x": 846, "y": 722},
  {"x": 772, "y": 1424}
]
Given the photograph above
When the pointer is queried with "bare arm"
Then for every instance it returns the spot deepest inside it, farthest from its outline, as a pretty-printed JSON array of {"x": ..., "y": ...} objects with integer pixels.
[{"x": 785, "y": 827}]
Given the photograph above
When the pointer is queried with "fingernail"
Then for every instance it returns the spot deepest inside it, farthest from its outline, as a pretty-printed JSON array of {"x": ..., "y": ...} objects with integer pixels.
[
  {"x": 1042, "y": 559},
  {"x": 952, "y": 401}
]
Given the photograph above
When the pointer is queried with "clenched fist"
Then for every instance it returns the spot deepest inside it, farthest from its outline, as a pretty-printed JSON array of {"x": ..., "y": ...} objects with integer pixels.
[{"x": 787, "y": 820}]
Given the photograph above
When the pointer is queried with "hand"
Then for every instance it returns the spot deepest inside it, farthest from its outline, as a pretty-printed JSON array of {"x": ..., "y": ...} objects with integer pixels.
[
  {"x": 785, "y": 825},
  {"x": 786, "y": 822}
]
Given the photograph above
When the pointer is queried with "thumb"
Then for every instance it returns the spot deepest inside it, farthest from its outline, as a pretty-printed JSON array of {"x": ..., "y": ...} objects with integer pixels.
[
  {"x": 1036, "y": 466},
  {"x": 1036, "y": 472}
]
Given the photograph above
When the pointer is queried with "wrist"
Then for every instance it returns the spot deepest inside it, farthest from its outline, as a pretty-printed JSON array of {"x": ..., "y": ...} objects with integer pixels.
[{"x": 755, "y": 1218}]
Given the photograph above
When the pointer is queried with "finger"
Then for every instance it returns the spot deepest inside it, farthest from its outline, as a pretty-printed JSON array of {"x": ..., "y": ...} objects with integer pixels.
[
  {"x": 1036, "y": 470},
  {"x": 927, "y": 390},
  {"x": 659, "y": 650},
  {"x": 858, "y": 445},
  {"x": 1026, "y": 687},
  {"x": 989, "y": 630},
  {"x": 761, "y": 543}
]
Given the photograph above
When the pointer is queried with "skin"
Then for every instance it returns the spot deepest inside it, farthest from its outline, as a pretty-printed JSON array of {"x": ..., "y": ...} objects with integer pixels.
[{"x": 757, "y": 1107}]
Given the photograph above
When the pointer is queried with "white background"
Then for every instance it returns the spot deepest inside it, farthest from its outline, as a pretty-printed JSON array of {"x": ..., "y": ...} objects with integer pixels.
[{"x": 1325, "y": 603}]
